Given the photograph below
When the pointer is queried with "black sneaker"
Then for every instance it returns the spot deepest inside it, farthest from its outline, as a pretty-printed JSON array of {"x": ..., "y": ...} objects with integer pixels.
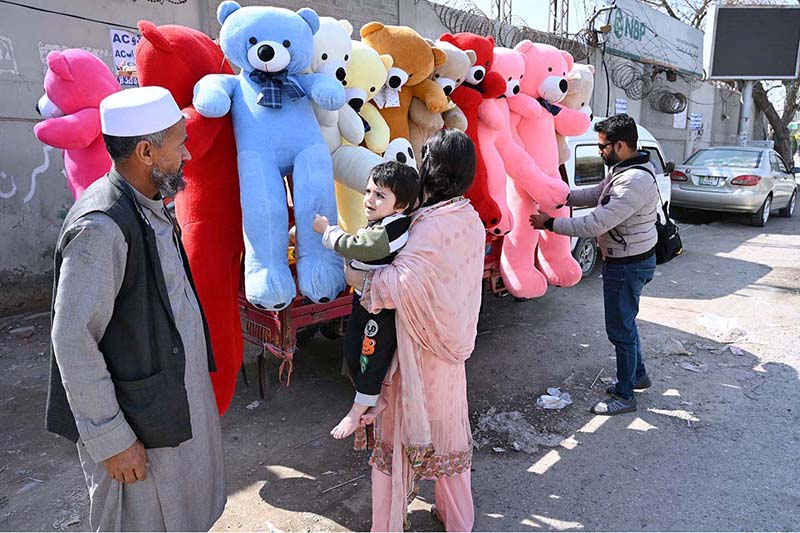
[
  {"x": 614, "y": 405},
  {"x": 643, "y": 383}
]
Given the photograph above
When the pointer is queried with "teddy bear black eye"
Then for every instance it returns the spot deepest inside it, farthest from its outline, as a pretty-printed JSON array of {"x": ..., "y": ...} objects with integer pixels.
[
  {"x": 372, "y": 89},
  {"x": 549, "y": 69},
  {"x": 487, "y": 64},
  {"x": 521, "y": 76},
  {"x": 436, "y": 75},
  {"x": 509, "y": 78},
  {"x": 410, "y": 153},
  {"x": 253, "y": 40},
  {"x": 458, "y": 80},
  {"x": 324, "y": 57},
  {"x": 287, "y": 43},
  {"x": 346, "y": 57}
]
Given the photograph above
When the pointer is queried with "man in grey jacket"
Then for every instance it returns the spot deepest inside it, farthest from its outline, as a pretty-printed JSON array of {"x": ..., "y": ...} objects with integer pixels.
[{"x": 624, "y": 224}]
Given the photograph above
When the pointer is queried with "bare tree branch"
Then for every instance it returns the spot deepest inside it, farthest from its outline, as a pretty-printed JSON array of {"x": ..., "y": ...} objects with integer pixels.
[
  {"x": 790, "y": 102},
  {"x": 668, "y": 9},
  {"x": 780, "y": 131},
  {"x": 700, "y": 13}
]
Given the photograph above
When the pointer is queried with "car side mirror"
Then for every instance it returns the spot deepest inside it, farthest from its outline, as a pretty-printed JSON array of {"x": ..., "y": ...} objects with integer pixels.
[{"x": 669, "y": 167}]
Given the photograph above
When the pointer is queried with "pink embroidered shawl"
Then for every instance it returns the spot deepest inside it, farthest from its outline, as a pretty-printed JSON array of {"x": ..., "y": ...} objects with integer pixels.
[{"x": 435, "y": 285}]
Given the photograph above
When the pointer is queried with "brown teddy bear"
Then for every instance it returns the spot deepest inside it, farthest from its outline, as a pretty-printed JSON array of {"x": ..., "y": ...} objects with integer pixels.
[
  {"x": 417, "y": 59},
  {"x": 580, "y": 84},
  {"x": 422, "y": 122}
]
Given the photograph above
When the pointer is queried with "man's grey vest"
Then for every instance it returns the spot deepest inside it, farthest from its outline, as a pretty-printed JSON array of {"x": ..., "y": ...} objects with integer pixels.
[{"x": 141, "y": 346}]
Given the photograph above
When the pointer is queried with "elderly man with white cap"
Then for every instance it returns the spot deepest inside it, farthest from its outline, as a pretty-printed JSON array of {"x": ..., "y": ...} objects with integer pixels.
[{"x": 129, "y": 378}]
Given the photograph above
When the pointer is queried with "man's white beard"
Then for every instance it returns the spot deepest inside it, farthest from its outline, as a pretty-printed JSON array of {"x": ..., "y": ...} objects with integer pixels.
[{"x": 168, "y": 184}]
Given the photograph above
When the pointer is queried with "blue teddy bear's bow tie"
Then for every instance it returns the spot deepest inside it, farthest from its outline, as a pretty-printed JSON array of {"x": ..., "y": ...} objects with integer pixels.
[
  {"x": 271, "y": 85},
  {"x": 552, "y": 108}
]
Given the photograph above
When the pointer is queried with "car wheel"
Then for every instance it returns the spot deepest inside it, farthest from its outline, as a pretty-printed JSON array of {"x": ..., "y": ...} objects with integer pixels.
[
  {"x": 585, "y": 253},
  {"x": 759, "y": 218},
  {"x": 788, "y": 211}
]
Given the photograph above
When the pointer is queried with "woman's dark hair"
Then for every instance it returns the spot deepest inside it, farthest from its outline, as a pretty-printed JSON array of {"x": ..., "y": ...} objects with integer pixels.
[
  {"x": 401, "y": 179},
  {"x": 448, "y": 165},
  {"x": 619, "y": 127}
]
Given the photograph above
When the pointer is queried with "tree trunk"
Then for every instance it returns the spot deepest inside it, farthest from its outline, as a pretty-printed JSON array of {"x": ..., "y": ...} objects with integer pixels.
[{"x": 780, "y": 131}]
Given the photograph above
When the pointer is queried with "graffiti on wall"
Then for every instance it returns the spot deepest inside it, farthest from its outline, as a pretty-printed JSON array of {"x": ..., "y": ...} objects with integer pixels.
[
  {"x": 8, "y": 62},
  {"x": 46, "y": 48},
  {"x": 12, "y": 190},
  {"x": 8, "y": 185}
]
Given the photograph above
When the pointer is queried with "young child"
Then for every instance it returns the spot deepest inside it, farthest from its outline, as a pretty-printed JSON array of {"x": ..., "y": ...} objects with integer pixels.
[{"x": 370, "y": 340}]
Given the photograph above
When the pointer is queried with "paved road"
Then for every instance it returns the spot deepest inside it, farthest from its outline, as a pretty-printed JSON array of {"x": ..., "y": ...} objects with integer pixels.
[{"x": 708, "y": 450}]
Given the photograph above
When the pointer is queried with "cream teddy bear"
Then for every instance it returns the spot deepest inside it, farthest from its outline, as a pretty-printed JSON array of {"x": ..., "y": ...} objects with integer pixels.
[{"x": 580, "y": 84}]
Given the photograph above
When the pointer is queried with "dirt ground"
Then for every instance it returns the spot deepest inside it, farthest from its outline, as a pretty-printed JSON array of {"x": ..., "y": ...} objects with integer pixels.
[{"x": 713, "y": 445}]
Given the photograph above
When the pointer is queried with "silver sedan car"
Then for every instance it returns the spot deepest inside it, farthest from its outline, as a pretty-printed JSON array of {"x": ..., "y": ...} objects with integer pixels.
[{"x": 735, "y": 179}]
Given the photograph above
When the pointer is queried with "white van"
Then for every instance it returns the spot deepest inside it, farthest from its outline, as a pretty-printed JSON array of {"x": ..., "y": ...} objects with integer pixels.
[{"x": 585, "y": 168}]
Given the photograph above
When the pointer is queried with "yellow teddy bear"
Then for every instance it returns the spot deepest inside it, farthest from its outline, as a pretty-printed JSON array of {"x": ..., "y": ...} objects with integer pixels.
[{"x": 365, "y": 77}]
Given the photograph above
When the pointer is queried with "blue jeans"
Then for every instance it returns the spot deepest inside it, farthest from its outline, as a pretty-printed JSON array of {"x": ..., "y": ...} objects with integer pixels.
[{"x": 622, "y": 287}]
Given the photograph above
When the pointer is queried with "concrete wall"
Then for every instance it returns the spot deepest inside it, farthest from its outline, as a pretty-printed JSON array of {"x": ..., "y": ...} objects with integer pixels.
[
  {"x": 421, "y": 16},
  {"x": 34, "y": 197},
  {"x": 358, "y": 12}
]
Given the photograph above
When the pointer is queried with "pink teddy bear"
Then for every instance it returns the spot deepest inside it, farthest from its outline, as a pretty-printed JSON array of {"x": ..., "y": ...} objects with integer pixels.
[
  {"x": 75, "y": 83},
  {"x": 517, "y": 196},
  {"x": 546, "y": 68},
  {"x": 502, "y": 154}
]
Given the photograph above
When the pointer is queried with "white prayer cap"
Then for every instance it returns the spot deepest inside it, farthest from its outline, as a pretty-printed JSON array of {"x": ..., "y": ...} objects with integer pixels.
[{"x": 138, "y": 111}]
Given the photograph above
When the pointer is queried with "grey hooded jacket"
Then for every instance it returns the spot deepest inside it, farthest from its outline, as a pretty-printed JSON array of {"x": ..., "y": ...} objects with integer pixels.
[{"x": 625, "y": 217}]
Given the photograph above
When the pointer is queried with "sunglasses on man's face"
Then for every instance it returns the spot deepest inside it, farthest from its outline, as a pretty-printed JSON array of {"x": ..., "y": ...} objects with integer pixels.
[{"x": 603, "y": 146}]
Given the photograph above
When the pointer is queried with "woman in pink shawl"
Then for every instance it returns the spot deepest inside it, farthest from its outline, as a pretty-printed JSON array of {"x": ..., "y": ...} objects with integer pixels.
[{"x": 434, "y": 283}]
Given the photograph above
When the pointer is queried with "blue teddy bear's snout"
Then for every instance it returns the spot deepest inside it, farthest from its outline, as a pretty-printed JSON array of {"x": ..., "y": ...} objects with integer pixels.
[{"x": 269, "y": 56}]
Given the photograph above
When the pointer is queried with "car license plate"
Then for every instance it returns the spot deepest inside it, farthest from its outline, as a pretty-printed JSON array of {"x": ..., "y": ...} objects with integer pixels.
[{"x": 708, "y": 180}]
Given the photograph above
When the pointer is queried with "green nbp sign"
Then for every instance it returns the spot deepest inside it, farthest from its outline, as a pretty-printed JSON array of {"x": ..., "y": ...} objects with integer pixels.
[
  {"x": 626, "y": 25},
  {"x": 643, "y": 34}
]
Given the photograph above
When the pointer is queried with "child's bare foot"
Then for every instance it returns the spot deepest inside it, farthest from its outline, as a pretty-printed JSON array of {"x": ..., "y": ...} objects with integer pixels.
[
  {"x": 368, "y": 418},
  {"x": 350, "y": 422}
]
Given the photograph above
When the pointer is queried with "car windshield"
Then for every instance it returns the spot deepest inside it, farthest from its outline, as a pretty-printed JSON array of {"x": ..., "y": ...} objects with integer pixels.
[{"x": 725, "y": 157}]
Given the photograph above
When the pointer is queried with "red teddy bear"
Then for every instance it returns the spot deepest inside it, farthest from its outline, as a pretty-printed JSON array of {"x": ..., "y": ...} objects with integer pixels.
[
  {"x": 208, "y": 210},
  {"x": 482, "y": 83}
]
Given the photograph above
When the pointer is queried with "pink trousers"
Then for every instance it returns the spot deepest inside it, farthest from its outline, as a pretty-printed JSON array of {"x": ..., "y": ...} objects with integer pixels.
[{"x": 453, "y": 497}]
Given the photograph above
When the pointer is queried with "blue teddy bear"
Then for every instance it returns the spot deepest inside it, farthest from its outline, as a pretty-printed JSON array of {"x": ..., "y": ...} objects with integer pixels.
[{"x": 277, "y": 134}]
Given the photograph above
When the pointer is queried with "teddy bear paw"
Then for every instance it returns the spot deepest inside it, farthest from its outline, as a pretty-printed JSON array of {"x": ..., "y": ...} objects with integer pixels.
[
  {"x": 320, "y": 278},
  {"x": 212, "y": 105},
  {"x": 330, "y": 97},
  {"x": 270, "y": 288}
]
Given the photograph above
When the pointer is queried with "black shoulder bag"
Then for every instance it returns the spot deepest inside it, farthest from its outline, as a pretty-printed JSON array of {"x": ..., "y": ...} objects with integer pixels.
[{"x": 669, "y": 243}]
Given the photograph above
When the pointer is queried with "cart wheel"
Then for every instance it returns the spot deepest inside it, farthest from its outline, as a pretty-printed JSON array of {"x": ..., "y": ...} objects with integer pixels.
[{"x": 263, "y": 376}]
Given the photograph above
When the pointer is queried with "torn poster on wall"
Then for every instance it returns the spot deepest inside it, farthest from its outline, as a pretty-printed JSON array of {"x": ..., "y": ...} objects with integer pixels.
[{"x": 123, "y": 45}]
